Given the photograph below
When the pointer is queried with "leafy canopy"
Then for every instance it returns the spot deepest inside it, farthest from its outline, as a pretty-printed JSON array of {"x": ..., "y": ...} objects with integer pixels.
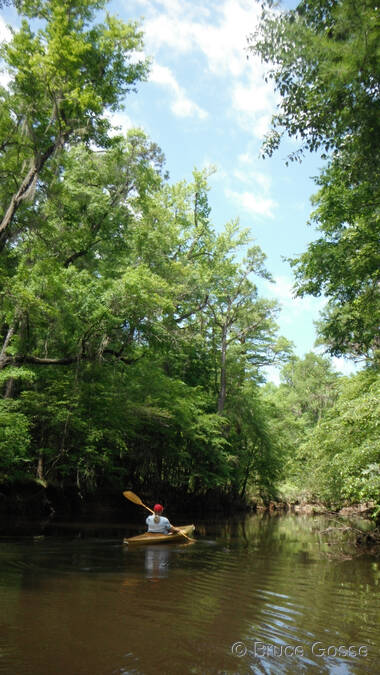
[{"x": 324, "y": 62}]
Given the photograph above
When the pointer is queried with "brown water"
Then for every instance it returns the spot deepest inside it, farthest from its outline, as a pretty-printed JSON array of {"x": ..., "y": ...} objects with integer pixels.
[{"x": 260, "y": 595}]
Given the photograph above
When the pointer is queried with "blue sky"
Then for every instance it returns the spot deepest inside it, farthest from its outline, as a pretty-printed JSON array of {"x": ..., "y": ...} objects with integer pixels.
[{"x": 206, "y": 104}]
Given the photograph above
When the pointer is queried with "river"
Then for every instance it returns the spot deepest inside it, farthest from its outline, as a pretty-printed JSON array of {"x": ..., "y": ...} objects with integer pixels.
[{"x": 260, "y": 594}]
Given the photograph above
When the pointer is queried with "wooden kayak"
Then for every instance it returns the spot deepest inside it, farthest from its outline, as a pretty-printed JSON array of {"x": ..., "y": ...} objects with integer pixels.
[{"x": 152, "y": 538}]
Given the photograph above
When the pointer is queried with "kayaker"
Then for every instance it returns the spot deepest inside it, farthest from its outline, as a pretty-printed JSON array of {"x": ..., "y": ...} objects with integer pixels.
[{"x": 158, "y": 524}]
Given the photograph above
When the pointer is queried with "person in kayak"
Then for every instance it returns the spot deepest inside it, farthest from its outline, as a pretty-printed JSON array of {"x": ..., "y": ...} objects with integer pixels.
[{"x": 158, "y": 524}]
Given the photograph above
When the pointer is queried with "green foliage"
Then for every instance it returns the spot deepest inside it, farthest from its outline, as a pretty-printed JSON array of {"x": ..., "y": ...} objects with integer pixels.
[
  {"x": 260, "y": 463},
  {"x": 344, "y": 264},
  {"x": 133, "y": 337},
  {"x": 115, "y": 287},
  {"x": 64, "y": 77},
  {"x": 308, "y": 390},
  {"x": 311, "y": 386},
  {"x": 325, "y": 64},
  {"x": 343, "y": 452},
  {"x": 323, "y": 59},
  {"x": 327, "y": 428},
  {"x": 14, "y": 440}
]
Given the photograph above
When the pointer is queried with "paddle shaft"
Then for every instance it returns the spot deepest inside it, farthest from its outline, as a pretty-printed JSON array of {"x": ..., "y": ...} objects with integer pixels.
[
  {"x": 147, "y": 508},
  {"x": 136, "y": 500}
]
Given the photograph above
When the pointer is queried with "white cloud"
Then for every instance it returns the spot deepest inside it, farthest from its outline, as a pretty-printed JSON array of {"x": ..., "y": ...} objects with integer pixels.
[
  {"x": 5, "y": 36},
  {"x": 344, "y": 366},
  {"x": 5, "y": 33},
  {"x": 263, "y": 180},
  {"x": 218, "y": 32},
  {"x": 244, "y": 101},
  {"x": 4, "y": 79},
  {"x": 245, "y": 158},
  {"x": 272, "y": 374},
  {"x": 257, "y": 200},
  {"x": 120, "y": 121},
  {"x": 293, "y": 307},
  {"x": 254, "y": 100},
  {"x": 181, "y": 105},
  {"x": 186, "y": 26},
  {"x": 254, "y": 203}
]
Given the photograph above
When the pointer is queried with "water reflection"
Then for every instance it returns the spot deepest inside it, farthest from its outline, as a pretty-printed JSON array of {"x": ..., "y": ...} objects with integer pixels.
[
  {"x": 74, "y": 607},
  {"x": 157, "y": 562}
]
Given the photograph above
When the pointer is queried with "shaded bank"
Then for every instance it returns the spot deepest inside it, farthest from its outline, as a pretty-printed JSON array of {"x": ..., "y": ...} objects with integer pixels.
[
  {"x": 30, "y": 499},
  {"x": 363, "y": 510}
]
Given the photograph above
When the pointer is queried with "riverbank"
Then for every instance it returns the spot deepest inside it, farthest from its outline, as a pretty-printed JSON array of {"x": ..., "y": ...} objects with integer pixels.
[
  {"x": 362, "y": 510},
  {"x": 35, "y": 500},
  {"x": 362, "y": 524}
]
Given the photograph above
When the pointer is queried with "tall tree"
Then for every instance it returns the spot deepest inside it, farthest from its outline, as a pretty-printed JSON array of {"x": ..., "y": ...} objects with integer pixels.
[
  {"x": 64, "y": 77},
  {"x": 132, "y": 335},
  {"x": 308, "y": 390},
  {"x": 325, "y": 65},
  {"x": 68, "y": 289},
  {"x": 242, "y": 322},
  {"x": 311, "y": 386}
]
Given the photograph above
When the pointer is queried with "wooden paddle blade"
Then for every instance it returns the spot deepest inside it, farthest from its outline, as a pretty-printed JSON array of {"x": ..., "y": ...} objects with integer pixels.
[
  {"x": 132, "y": 497},
  {"x": 136, "y": 500}
]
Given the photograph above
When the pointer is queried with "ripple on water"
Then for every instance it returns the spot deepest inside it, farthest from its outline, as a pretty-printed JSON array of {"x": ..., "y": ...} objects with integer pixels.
[{"x": 96, "y": 608}]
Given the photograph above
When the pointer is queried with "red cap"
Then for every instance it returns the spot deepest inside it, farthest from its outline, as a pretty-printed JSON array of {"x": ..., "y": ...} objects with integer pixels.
[{"x": 158, "y": 507}]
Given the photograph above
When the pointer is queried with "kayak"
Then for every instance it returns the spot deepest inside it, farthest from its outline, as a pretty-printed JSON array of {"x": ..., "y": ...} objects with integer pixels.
[{"x": 153, "y": 538}]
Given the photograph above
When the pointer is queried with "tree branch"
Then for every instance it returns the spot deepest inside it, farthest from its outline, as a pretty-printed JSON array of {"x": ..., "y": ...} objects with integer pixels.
[
  {"x": 29, "y": 180},
  {"x": 198, "y": 308},
  {"x": 6, "y": 361}
]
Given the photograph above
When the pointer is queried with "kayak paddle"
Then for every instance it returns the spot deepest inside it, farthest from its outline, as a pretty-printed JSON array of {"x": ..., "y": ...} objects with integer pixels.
[{"x": 136, "y": 500}]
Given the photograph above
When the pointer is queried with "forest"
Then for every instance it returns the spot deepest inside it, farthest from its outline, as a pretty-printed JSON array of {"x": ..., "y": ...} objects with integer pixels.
[{"x": 133, "y": 337}]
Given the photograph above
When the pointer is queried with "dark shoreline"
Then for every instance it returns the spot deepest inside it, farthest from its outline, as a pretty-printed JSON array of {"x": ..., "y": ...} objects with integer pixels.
[{"x": 32, "y": 501}]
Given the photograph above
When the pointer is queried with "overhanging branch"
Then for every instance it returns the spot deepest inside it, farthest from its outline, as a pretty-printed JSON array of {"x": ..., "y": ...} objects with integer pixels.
[{"x": 20, "y": 359}]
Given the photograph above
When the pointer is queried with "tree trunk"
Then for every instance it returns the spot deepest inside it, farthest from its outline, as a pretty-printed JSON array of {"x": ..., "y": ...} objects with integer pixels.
[
  {"x": 223, "y": 379},
  {"x": 40, "y": 466},
  {"x": 245, "y": 480},
  {"x": 9, "y": 385},
  {"x": 25, "y": 187}
]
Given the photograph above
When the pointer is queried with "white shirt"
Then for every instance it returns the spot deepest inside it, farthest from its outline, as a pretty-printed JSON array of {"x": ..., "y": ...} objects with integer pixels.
[{"x": 162, "y": 527}]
